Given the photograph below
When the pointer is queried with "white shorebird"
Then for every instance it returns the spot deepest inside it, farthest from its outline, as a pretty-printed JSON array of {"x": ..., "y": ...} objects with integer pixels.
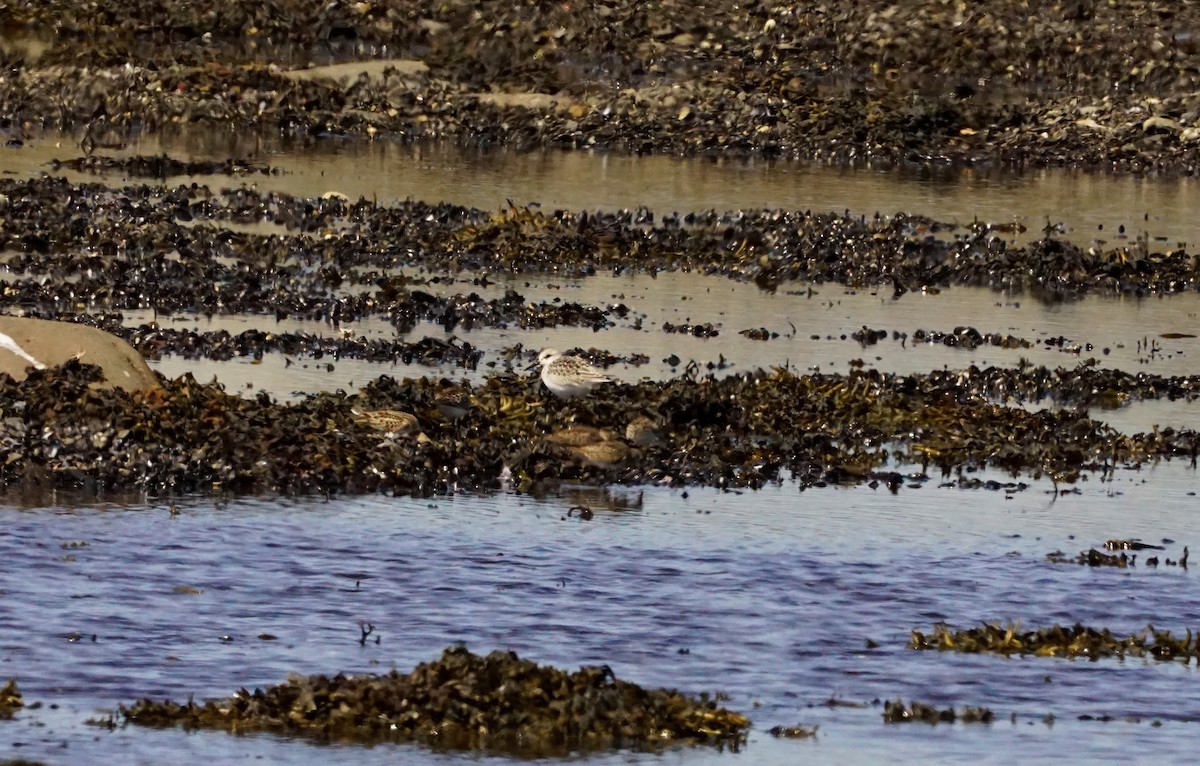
[{"x": 568, "y": 375}]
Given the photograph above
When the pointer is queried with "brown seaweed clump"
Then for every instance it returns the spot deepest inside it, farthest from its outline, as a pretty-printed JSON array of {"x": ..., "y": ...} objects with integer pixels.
[
  {"x": 1122, "y": 560},
  {"x": 898, "y": 712},
  {"x": 1094, "y": 558},
  {"x": 10, "y": 699},
  {"x": 1058, "y": 641},
  {"x": 799, "y": 731},
  {"x": 496, "y": 702}
]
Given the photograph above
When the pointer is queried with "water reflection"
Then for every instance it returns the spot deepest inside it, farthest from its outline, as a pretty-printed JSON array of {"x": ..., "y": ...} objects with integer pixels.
[{"x": 1091, "y": 206}]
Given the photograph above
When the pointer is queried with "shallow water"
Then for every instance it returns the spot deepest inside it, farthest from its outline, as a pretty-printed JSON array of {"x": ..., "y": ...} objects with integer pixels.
[
  {"x": 770, "y": 601},
  {"x": 814, "y": 326},
  {"x": 1091, "y": 206},
  {"x": 771, "y": 594}
]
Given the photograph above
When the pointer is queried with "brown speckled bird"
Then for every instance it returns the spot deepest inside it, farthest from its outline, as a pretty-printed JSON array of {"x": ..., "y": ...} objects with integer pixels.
[
  {"x": 578, "y": 436},
  {"x": 602, "y": 454},
  {"x": 391, "y": 422},
  {"x": 643, "y": 431}
]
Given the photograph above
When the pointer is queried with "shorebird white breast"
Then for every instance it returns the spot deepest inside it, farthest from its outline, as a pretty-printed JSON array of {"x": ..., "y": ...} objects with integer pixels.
[{"x": 568, "y": 375}]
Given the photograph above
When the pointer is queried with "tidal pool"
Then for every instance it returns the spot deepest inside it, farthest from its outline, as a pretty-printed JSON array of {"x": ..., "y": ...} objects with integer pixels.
[{"x": 814, "y": 324}]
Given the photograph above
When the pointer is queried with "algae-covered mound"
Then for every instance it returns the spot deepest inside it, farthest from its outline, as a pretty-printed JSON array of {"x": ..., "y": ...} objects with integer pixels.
[
  {"x": 1058, "y": 641},
  {"x": 463, "y": 700}
]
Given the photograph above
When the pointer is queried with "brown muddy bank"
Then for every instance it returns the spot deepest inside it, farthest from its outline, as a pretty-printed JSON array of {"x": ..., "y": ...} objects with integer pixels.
[{"x": 1081, "y": 83}]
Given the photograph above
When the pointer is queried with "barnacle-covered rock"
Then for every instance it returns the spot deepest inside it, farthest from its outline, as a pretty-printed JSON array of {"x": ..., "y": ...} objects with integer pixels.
[{"x": 51, "y": 343}]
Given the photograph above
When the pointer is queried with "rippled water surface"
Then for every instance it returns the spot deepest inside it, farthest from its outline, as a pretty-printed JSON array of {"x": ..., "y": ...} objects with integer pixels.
[{"x": 769, "y": 596}]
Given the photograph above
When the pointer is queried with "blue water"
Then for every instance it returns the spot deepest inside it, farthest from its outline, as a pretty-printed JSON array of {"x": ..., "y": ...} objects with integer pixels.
[{"x": 769, "y": 597}]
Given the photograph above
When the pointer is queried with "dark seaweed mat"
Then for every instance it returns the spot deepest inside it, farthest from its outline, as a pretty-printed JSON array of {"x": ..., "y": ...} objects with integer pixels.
[
  {"x": 740, "y": 431},
  {"x": 86, "y": 243},
  {"x": 1058, "y": 641},
  {"x": 1103, "y": 85},
  {"x": 465, "y": 701}
]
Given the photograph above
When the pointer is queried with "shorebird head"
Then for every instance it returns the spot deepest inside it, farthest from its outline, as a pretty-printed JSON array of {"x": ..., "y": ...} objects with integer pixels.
[
  {"x": 548, "y": 355},
  {"x": 544, "y": 358}
]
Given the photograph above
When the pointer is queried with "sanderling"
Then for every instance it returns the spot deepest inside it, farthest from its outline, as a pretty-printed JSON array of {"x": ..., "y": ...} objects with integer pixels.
[
  {"x": 568, "y": 375},
  {"x": 602, "y": 454},
  {"x": 578, "y": 436},
  {"x": 643, "y": 431},
  {"x": 391, "y": 422}
]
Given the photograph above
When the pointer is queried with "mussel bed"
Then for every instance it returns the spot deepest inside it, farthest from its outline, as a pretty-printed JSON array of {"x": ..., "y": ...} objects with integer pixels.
[{"x": 73, "y": 246}]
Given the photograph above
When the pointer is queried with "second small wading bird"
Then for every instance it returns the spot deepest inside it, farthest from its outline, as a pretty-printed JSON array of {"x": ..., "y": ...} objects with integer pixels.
[
  {"x": 568, "y": 375},
  {"x": 578, "y": 436},
  {"x": 391, "y": 422}
]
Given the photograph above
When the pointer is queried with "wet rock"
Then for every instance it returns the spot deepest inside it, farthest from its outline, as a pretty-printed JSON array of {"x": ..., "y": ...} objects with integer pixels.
[
  {"x": 51, "y": 343},
  {"x": 496, "y": 703},
  {"x": 793, "y": 732}
]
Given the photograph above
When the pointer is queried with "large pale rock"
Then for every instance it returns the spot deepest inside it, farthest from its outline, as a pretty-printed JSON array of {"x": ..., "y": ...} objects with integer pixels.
[{"x": 26, "y": 341}]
